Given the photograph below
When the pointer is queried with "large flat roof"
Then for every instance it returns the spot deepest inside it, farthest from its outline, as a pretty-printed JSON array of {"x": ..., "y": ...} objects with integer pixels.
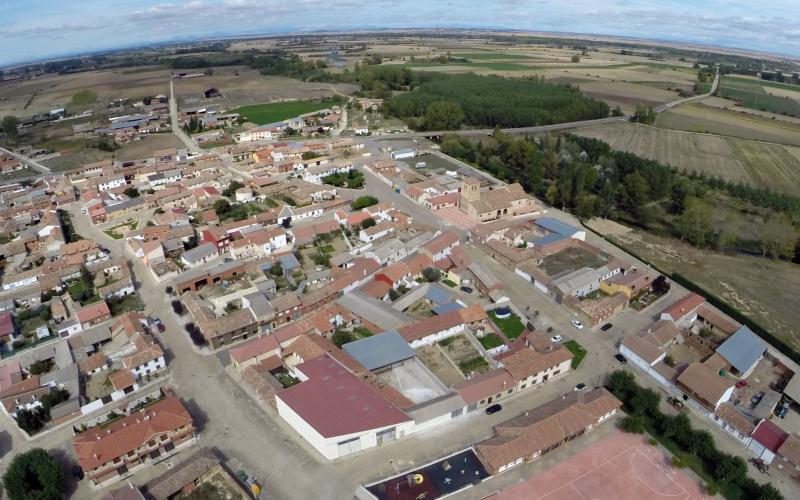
[
  {"x": 336, "y": 403},
  {"x": 379, "y": 350}
]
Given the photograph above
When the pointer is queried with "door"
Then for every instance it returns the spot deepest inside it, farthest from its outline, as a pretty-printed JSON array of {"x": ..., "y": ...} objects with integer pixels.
[
  {"x": 386, "y": 436},
  {"x": 349, "y": 446}
]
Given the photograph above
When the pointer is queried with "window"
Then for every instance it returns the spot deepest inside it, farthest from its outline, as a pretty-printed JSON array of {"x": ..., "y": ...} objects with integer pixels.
[{"x": 510, "y": 391}]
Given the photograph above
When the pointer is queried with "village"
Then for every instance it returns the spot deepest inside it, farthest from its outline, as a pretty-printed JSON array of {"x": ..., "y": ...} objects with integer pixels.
[{"x": 331, "y": 299}]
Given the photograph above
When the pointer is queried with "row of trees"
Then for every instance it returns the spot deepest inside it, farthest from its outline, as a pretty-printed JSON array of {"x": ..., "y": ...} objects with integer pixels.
[{"x": 644, "y": 415}]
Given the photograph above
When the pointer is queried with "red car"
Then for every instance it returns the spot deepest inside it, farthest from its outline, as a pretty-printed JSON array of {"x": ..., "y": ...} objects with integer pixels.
[{"x": 741, "y": 383}]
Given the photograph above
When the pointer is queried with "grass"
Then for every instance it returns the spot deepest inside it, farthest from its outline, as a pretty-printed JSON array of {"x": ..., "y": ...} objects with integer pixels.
[
  {"x": 113, "y": 234},
  {"x": 577, "y": 351},
  {"x": 446, "y": 342},
  {"x": 277, "y": 111},
  {"x": 490, "y": 341},
  {"x": 750, "y": 93},
  {"x": 451, "y": 284},
  {"x": 472, "y": 364},
  {"x": 512, "y": 327},
  {"x": 493, "y": 56},
  {"x": 362, "y": 332}
]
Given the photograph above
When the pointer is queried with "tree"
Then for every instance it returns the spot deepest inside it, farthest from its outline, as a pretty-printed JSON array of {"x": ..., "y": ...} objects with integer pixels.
[
  {"x": 694, "y": 224},
  {"x": 661, "y": 285},
  {"x": 444, "y": 115},
  {"x": 632, "y": 424},
  {"x": 31, "y": 421},
  {"x": 276, "y": 269},
  {"x": 645, "y": 401},
  {"x": 728, "y": 467},
  {"x": 131, "y": 192},
  {"x": 776, "y": 236},
  {"x": 9, "y": 125},
  {"x": 431, "y": 274},
  {"x": 367, "y": 223},
  {"x": 622, "y": 384},
  {"x": 644, "y": 114},
  {"x": 230, "y": 191},
  {"x": 34, "y": 475},
  {"x": 576, "y": 59},
  {"x": 363, "y": 202},
  {"x": 222, "y": 208}
]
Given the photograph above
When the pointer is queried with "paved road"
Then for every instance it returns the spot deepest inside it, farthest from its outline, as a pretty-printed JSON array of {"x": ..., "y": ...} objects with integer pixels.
[
  {"x": 518, "y": 130},
  {"x": 173, "y": 116},
  {"x": 27, "y": 161},
  {"x": 670, "y": 105}
]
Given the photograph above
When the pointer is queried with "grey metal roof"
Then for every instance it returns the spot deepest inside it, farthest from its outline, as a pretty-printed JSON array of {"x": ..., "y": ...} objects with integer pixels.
[
  {"x": 200, "y": 251},
  {"x": 379, "y": 350},
  {"x": 446, "y": 308},
  {"x": 556, "y": 226},
  {"x": 742, "y": 349},
  {"x": 438, "y": 295}
]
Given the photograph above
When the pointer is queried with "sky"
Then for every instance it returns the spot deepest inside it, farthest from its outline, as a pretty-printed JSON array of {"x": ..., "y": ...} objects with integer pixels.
[{"x": 37, "y": 29}]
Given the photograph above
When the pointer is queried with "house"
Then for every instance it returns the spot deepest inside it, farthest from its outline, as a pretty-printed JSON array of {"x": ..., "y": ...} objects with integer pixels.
[
  {"x": 536, "y": 432},
  {"x": 504, "y": 201},
  {"x": 684, "y": 310},
  {"x": 441, "y": 246},
  {"x": 93, "y": 314},
  {"x": 402, "y": 154},
  {"x": 130, "y": 442},
  {"x": 218, "y": 237},
  {"x": 375, "y": 232},
  {"x": 199, "y": 255},
  {"x": 742, "y": 351},
  {"x": 630, "y": 283},
  {"x": 705, "y": 385},
  {"x": 337, "y": 412},
  {"x": 435, "y": 328},
  {"x": 395, "y": 275},
  {"x": 767, "y": 440},
  {"x": 7, "y": 329},
  {"x": 202, "y": 467}
]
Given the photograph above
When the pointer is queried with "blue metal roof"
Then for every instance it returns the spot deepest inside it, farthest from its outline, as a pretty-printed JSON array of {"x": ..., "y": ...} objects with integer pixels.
[
  {"x": 446, "y": 308},
  {"x": 438, "y": 295},
  {"x": 289, "y": 261},
  {"x": 550, "y": 238},
  {"x": 742, "y": 350},
  {"x": 556, "y": 226},
  {"x": 379, "y": 350}
]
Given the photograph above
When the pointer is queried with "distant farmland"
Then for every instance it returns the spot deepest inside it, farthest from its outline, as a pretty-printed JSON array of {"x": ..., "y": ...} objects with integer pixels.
[
  {"x": 277, "y": 111},
  {"x": 751, "y": 93},
  {"x": 768, "y": 166}
]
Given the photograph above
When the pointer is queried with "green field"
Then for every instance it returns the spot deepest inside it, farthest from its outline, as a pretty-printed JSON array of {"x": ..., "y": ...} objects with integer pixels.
[
  {"x": 494, "y": 66},
  {"x": 493, "y": 56},
  {"x": 277, "y": 111},
  {"x": 577, "y": 351},
  {"x": 765, "y": 83},
  {"x": 751, "y": 94}
]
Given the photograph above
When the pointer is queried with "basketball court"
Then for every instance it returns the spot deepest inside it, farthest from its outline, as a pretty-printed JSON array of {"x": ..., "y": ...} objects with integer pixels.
[{"x": 622, "y": 466}]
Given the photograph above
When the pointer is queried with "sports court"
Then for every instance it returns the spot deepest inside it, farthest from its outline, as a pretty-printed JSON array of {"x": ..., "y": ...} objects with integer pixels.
[{"x": 622, "y": 466}]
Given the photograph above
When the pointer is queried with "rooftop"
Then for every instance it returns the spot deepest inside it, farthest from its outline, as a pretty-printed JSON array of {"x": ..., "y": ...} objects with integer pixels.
[{"x": 379, "y": 350}]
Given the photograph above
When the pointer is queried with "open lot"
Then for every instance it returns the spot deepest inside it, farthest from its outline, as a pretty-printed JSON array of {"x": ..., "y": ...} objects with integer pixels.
[
  {"x": 464, "y": 355},
  {"x": 766, "y": 290},
  {"x": 763, "y": 165},
  {"x": 144, "y": 148},
  {"x": 435, "y": 360},
  {"x": 622, "y": 466},
  {"x": 570, "y": 259}
]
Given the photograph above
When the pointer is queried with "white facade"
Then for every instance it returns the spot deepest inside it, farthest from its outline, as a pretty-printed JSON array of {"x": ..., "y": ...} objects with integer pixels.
[
  {"x": 151, "y": 366},
  {"x": 30, "y": 280},
  {"x": 435, "y": 337},
  {"x": 366, "y": 237},
  {"x": 545, "y": 375},
  {"x": 340, "y": 446},
  {"x": 69, "y": 328},
  {"x": 110, "y": 183},
  {"x": 643, "y": 365},
  {"x": 257, "y": 134},
  {"x": 316, "y": 174}
]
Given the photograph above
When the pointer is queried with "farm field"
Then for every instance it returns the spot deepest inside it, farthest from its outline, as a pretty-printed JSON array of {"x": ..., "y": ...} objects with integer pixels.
[
  {"x": 768, "y": 166},
  {"x": 277, "y": 111},
  {"x": 767, "y": 291},
  {"x": 753, "y": 94},
  {"x": 56, "y": 91},
  {"x": 241, "y": 86},
  {"x": 702, "y": 118}
]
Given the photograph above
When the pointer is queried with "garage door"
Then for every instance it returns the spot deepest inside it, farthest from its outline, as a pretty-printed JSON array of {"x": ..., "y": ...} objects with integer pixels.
[
  {"x": 386, "y": 436},
  {"x": 349, "y": 446}
]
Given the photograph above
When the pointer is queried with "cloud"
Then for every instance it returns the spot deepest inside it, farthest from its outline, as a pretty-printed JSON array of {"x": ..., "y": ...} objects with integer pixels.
[{"x": 29, "y": 31}]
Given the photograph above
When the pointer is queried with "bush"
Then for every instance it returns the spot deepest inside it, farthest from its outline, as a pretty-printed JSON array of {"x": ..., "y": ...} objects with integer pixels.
[
  {"x": 34, "y": 475},
  {"x": 177, "y": 306},
  {"x": 32, "y": 421},
  {"x": 363, "y": 202},
  {"x": 196, "y": 335},
  {"x": 431, "y": 274},
  {"x": 632, "y": 424},
  {"x": 42, "y": 366},
  {"x": 367, "y": 223}
]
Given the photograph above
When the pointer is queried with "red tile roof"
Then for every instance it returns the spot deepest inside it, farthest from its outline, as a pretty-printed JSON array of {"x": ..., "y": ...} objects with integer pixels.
[
  {"x": 770, "y": 435},
  {"x": 92, "y": 312},
  {"x": 684, "y": 306},
  {"x": 98, "y": 446},
  {"x": 336, "y": 403}
]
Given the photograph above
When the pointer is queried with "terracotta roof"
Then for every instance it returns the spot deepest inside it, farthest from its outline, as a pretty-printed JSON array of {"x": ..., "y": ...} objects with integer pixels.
[
  {"x": 417, "y": 262},
  {"x": 473, "y": 314},
  {"x": 705, "y": 382},
  {"x": 190, "y": 470},
  {"x": 719, "y": 320},
  {"x": 93, "y": 362},
  {"x": 642, "y": 348},
  {"x": 335, "y": 402},
  {"x": 254, "y": 348},
  {"x": 121, "y": 379},
  {"x": 484, "y": 385},
  {"x": 146, "y": 350},
  {"x": 395, "y": 272},
  {"x": 98, "y": 446},
  {"x": 429, "y": 326},
  {"x": 790, "y": 449},
  {"x": 684, "y": 306},
  {"x": 376, "y": 289},
  {"x": 545, "y": 426},
  {"x": 741, "y": 423},
  {"x": 770, "y": 435},
  {"x": 92, "y": 312},
  {"x": 439, "y": 243},
  {"x": 526, "y": 362}
]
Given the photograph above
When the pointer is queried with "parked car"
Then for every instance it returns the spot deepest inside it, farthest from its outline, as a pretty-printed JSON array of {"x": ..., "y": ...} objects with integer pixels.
[
  {"x": 606, "y": 327},
  {"x": 556, "y": 338},
  {"x": 493, "y": 409},
  {"x": 621, "y": 359},
  {"x": 757, "y": 398},
  {"x": 741, "y": 383},
  {"x": 160, "y": 327},
  {"x": 466, "y": 289},
  {"x": 577, "y": 324},
  {"x": 77, "y": 472},
  {"x": 580, "y": 387},
  {"x": 781, "y": 411}
]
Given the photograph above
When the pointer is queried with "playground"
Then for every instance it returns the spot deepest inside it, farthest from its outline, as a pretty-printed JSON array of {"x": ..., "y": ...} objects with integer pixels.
[{"x": 620, "y": 467}]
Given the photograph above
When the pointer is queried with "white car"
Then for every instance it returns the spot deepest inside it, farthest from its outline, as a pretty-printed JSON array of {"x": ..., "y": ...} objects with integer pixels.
[
  {"x": 577, "y": 324},
  {"x": 556, "y": 338}
]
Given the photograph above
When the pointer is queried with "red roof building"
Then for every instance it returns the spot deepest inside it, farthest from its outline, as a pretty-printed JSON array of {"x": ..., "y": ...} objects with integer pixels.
[
  {"x": 338, "y": 413},
  {"x": 93, "y": 314}
]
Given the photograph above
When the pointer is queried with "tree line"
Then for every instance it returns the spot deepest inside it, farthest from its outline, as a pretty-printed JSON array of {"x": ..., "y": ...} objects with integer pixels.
[{"x": 588, "y": 178}]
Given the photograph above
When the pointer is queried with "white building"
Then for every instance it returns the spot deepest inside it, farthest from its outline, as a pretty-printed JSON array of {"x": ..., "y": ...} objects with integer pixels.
[
  {"x": 337, "y": 413},
  {"x": 199, "y": 255},
  {"x": 110, "y": 183}
]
